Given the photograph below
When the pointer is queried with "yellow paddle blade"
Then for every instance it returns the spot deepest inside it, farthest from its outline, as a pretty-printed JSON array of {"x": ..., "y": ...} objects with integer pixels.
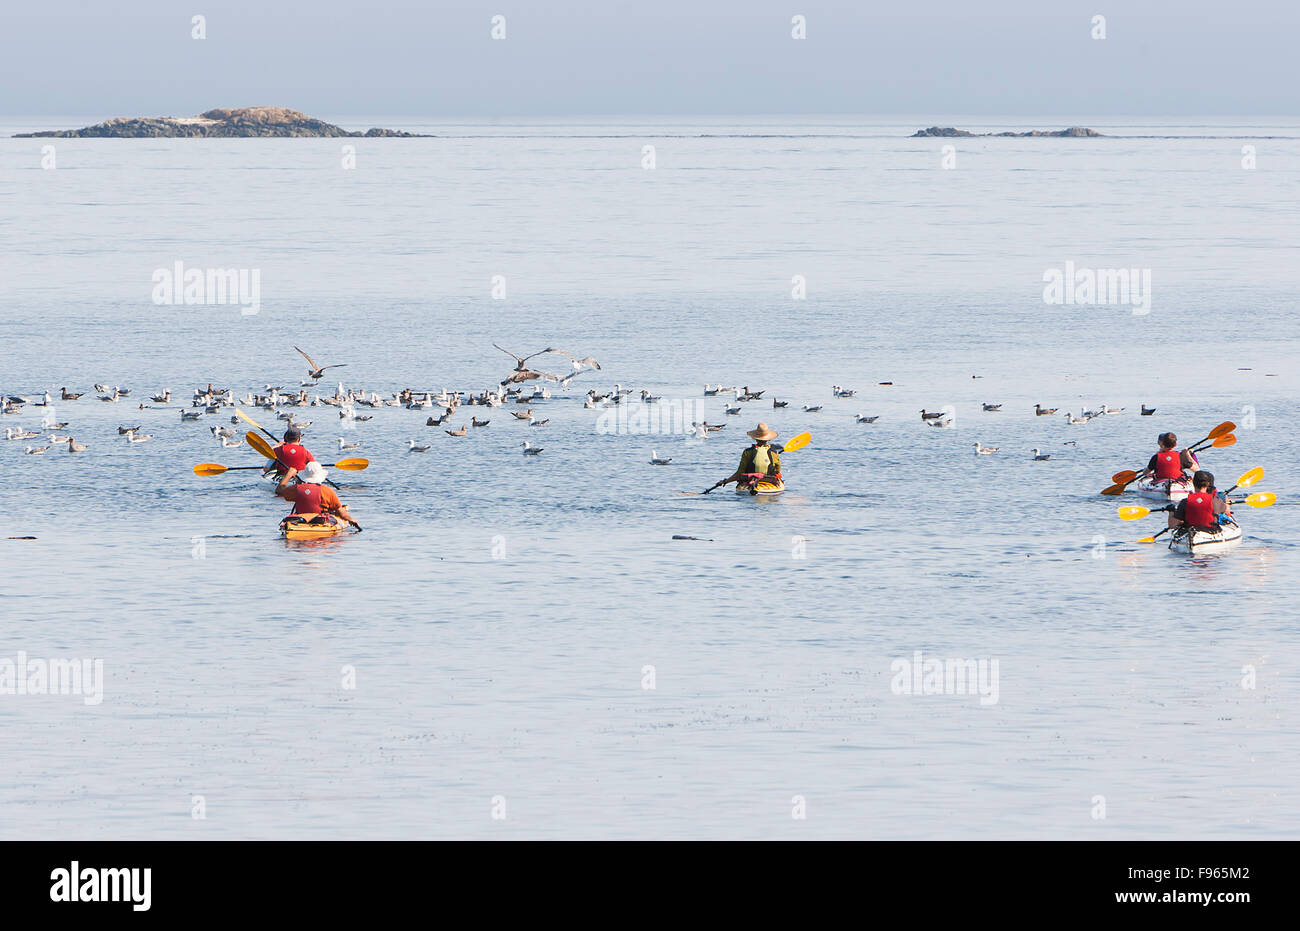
[
  {"x": 1117, "y": 489},
  {"x": 797, "y": 442},
  {"x": 1147, "y": 540},
  {"x": 259, "y": 444},
  {"x": 1254, "y": 476},
  {"x": 208, "y": 468},
  {"x": 1226, "y": 427},
  {"x": 1133, "y": 512},
  {"x": 1229, "y": 440},
  {"x": 244, "y": 417},
  {"x": 1261, "y": 499},
  {"x": 352, "y": 465}
]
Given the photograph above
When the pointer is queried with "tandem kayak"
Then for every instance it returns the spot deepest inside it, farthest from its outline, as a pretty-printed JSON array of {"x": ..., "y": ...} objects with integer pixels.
[
  {"x": 762, "y": 488},
  {"x": 312, "y": 526},
  {"x": 1168, "y": 489},
  {"x": 1206, "y": 542}
]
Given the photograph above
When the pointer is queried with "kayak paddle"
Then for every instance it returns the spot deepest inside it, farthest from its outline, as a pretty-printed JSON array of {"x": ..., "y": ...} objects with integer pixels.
[
  {"x": 259, "y": 444},
  {"x": 242, "y": 416},
  {"x": 1260, "y": 499},
  {"x": 212, "y": 468}
]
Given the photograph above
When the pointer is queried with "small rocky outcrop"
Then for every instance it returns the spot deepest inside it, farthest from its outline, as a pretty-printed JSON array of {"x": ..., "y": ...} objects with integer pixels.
[
  {"x": 221, "y": 122},
  {"x": 1074, "y": 132}
]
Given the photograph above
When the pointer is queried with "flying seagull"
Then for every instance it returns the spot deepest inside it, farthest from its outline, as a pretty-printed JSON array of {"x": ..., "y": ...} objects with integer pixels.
[{"x": 317, "y": 372}]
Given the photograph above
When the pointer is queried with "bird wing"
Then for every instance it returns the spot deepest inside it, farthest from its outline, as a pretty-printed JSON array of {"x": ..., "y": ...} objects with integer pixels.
[
  {"x": 310, "y": 360},
  {"x": 340, "y": 365},
  {"x": 509, "y": 353},
  {"x": 590, "y": 360}
]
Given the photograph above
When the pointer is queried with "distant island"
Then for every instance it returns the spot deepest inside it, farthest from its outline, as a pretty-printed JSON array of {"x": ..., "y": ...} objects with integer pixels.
[
  {"x": 1072, "y": 132},
  {"x": 223, "y": 122}
]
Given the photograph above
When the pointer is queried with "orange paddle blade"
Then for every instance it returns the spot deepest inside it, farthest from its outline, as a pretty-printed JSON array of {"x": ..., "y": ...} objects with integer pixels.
[
  {"x": 208, "y": 468},
  {"x": 1113, "y": 490},
  {"x": 1226, "y": 427},
  {"x": 259, "y": 444}
]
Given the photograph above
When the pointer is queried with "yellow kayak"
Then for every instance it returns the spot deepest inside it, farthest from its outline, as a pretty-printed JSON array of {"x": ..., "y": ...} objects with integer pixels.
[
  {"x": 312, "y": 526},
  {"x": 762, "y": 488}
]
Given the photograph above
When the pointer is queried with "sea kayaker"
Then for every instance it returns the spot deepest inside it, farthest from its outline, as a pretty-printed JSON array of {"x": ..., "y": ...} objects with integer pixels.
[
  {"x": 310, "y": 495},
  {"x": 1202, "y": 507},
  {"x": 291, "y": 457},
  {"x": 760, "y": 462},
  {"x": 1169, "y": 462}
]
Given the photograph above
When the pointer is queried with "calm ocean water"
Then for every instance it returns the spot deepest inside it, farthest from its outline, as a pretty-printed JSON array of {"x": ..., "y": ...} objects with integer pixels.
[{"x": 499, "y": 612}]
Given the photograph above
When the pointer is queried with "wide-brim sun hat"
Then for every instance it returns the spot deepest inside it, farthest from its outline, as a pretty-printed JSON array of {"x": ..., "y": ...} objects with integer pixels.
[
  {"x": 762, "y": 433},
  {"x": 313, "y": 474}
]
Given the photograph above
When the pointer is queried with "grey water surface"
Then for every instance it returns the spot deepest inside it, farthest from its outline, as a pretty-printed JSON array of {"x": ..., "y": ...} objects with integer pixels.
[{"x": 498, "y": 613}]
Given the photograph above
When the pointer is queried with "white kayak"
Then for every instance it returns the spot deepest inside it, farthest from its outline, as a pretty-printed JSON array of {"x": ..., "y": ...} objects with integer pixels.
[
  {"x": 1170, "y": 490},
  {"x": 1204, "y": 542}
]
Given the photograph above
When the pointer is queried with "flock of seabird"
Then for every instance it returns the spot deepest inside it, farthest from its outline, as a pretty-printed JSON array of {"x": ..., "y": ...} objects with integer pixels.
[{"x": 510, "y": 390}]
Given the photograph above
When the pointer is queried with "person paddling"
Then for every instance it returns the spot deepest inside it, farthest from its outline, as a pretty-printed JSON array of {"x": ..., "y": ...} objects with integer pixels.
[
  {"x": 1202, "y": 508},
  {"x": 1169, "y": 463},
  {"x": 291, "y": 457},
  {"x": 310, "y": 495},
  {"x": 760, "y": 462}
]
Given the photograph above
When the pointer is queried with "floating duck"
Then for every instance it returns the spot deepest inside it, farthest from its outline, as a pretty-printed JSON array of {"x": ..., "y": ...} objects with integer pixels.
[
  {"x": 67, "y": 395},
  {"x": 776, "y": 403},
  {"x": 531, "y": 450},
  {"x": 1071, "y": 419},
  {"x": 75, "y": 447},
  {"x": 984, "y": 450},
  {"x": 862, "y": 418},
  {"x": 811, "y": 408},
  {"x": 1044, "y": 411},
  {"x": 992, "y": 407},
  {"x": 410, "y": 444},
  {"x": 655, "y": 459},
  {"x": 1147, "y": 411},
  {"x": 133, "y": 438},
  {"x": 474, "y": 421},
  {"x": 37, "y": 450},
  {"x": 463, "y": 431},
  {"x": 1041, "y": 456},
  {"x": 345, "y": 445},
  {"x": 732, "y": 409}
]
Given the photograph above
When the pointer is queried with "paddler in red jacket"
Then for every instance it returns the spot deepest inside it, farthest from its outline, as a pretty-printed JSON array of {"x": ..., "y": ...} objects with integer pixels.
[
  {"x": 291, "y": 457},
  {"x": 1169, "y": 462},
  {"x": 310, "y": 495},
  {"x": 1201, "y": 508}
]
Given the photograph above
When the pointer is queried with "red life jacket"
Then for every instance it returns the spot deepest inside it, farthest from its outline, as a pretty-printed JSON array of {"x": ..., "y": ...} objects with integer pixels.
[
  {"x": 306, "y": 499},
  {"x": 1199, "y": 509},
  {"x": 293, "y": 456},
  {"x": 1169, "y": 464}
]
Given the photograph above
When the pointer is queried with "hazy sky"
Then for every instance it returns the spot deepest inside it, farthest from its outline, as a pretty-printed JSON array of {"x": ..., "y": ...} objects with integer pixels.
[{"x": 676, "y": 57}]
